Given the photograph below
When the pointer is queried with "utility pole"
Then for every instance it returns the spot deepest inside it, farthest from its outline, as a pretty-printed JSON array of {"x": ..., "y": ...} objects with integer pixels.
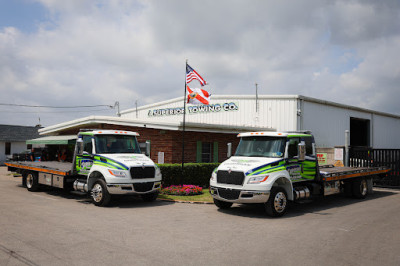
[
  {"x": 256, "y": 97},
  {"x": 117, "y": 105}
]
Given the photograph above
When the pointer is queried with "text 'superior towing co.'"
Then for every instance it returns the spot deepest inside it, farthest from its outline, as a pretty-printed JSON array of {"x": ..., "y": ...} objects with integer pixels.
[
  {"x": 105, "y": 163},
  {"x": 274, "y": 168}
]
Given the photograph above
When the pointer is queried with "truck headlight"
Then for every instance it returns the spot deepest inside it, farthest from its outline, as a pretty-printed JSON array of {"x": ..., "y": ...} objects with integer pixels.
[
  {"x": 117, "y": 173},
  {"x": 257, "y": 179},
  {"x": 213, "y": 176},
  {"x": 158, "y": 172}
]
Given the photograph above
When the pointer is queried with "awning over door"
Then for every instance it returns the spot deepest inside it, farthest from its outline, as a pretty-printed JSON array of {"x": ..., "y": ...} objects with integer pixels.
[{"x": 54, "y": 140}]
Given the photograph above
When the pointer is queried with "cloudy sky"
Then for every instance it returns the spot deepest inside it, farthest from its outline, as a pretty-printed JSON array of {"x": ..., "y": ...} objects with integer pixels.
[{"x": 96, "y": 52}]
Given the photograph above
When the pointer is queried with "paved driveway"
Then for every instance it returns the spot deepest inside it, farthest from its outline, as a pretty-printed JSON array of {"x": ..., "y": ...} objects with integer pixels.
[{"x": 57, "y": 228}]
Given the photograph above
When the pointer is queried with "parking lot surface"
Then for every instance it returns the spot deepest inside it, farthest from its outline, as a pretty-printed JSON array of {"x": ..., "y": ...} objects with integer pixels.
[{"x": 52, "y": 227}]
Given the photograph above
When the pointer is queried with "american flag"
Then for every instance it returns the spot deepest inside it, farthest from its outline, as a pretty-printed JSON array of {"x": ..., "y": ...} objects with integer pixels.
[{"x": 191, "y": 74}]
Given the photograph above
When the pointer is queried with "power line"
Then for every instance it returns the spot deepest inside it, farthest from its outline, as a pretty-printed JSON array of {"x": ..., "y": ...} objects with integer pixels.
[
  {"x": 55, "y": 112},
  {"x": 49, "y": 106}
]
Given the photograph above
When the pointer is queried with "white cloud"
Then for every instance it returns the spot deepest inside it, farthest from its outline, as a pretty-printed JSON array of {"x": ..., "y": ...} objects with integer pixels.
[{"x": 98, "y": 52}]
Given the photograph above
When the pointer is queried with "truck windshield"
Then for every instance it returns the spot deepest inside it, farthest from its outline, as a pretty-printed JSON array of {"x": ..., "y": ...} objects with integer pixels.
[
  {"x": 116, "y": 144},
  {"x": 261, "y": 147}
]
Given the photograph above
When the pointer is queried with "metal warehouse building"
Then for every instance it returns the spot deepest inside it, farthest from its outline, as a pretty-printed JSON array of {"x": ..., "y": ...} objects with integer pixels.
[
  {"x": 327, "y": 120},
  {"x": 209, "y": 128}
]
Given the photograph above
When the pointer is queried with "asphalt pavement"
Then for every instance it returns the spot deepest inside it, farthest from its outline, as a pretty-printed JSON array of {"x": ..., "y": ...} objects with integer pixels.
[{"x": 52, "y": 227}]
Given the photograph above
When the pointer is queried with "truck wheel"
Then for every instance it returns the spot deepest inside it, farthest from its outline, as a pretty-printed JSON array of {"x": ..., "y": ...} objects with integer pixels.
[
  {"x": 360, "y": 188},
  {"x": 222, "y": 204},
  {"x": 150, "y": 196},
  {"x": 277, "y": 203},
  {"x": 348, "y": 190},
  {"x": 99, "y": 194},
  {"x": 32, "y": 183},
  {"x": 24, "y": 179}
]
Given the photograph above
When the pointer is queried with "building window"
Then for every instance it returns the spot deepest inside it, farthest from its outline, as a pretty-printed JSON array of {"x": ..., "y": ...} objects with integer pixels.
[
  {"x": 8, "y": 148},
  {"x": 206, "y": 151}
]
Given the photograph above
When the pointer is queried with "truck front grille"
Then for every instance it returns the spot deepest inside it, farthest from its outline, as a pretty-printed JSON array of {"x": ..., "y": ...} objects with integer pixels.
[
  {"x": 142, "y": 172},
  {"x": 230, "y": 177},
  {"x": 143, "y": 187},
  {"x": 229, "y": 194}
]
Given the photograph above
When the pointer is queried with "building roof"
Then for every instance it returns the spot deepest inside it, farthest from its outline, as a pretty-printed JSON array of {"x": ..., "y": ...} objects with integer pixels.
[
  {"x": 11, "y": 133},
  {"x": 97, "y": 120},
  {"x": 54, "y": 140}
]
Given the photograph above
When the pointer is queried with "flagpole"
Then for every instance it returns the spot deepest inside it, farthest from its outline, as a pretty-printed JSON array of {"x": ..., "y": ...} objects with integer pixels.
[{"x": 184, "y": 122}]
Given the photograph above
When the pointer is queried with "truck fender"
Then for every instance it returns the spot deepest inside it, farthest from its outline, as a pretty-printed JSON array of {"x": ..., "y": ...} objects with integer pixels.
[
  {"x": 285, "y": 183},
  {"x": 93, "y": 176}
]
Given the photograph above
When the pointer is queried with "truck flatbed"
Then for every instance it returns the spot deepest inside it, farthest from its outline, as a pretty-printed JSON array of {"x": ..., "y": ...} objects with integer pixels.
[
  {"x": 53, "y": 167},
  {"x": 332, "y": 173}
]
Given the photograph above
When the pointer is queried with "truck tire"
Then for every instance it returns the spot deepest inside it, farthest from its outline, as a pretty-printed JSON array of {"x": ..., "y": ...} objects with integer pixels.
[
  {"x": 348, "y": 189},
  {"x": 32, "y": 182},
  {"x": 150, "y": 196},
  {"x": 99, "y": 194},
  {"x": 24, "y": 179},
  {"x": 222, "y": 204},
  {"x": 360, "y": 188},
  {"x": 277, "y": 203}
]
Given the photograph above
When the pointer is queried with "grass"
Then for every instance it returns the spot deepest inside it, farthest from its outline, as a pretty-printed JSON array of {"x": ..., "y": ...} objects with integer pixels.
[
  {"x": 205, "y": 197},
  {"x": 15, "y": 174}
]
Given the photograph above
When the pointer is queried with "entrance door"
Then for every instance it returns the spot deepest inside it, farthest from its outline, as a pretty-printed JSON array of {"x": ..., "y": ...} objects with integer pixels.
[{"x": 359, "y": 132}]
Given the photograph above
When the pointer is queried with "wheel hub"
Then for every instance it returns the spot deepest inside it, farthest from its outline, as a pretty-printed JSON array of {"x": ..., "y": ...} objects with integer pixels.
[
  {"x": 97, "y": 193},
  {"x": 29, "y": 181},
  {"x": 280, "y": 202},
  {"x": 364, "y": 187}
]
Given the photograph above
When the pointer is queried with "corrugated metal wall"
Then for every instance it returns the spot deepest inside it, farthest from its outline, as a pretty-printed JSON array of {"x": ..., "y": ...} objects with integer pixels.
[
  {"x": 274, "y": 112},
  {"x": 328, "y": 121},
  {"x": 328, "y": 124},
  {"x": 385, "y": 132}
]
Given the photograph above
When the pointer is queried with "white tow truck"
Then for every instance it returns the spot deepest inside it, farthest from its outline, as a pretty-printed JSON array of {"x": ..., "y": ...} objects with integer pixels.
[
  {"x": 274, "y": 168},
  {"x": 105, "y": 163}
]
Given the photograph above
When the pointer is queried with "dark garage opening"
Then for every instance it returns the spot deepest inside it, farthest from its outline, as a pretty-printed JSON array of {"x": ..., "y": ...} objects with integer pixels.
[{"x": 359, "y": 132}]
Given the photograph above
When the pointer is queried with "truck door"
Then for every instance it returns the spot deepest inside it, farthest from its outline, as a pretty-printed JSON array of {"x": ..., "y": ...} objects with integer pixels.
[
  {"x": 85, "y": 161},
  {"x": 293, "y": 166},
  {"x": 309, "y": 165}
]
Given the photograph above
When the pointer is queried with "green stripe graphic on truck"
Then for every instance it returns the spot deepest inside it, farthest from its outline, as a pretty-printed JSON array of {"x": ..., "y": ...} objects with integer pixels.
[
  {"x": 269, "y": 168},
  {"x": 309, "y": 169},
  {"x": 107, "y": 162}
]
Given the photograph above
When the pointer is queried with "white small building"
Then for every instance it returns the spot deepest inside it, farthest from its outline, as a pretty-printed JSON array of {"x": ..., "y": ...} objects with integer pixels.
[{"x": 13, "y": 140}]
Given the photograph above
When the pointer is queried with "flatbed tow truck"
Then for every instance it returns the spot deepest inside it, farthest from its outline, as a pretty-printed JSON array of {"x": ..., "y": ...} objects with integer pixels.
[
  {"x": 105, "y": 163},
  {"x": 274, "y": 168}
]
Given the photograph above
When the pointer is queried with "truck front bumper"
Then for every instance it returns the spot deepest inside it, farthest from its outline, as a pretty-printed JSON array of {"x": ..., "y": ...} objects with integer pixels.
[
  {"x": 134, "y": 188},
  {"x": 239, "y": 196}
]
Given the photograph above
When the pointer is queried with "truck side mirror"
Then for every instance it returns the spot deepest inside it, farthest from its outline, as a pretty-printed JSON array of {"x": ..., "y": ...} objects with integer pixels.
[
  {"x": 79, "y": 145},
  {"x": 229, "y": 152},
  {"x": 147, "y": 152},
  {"x": 302, "y": 152}
]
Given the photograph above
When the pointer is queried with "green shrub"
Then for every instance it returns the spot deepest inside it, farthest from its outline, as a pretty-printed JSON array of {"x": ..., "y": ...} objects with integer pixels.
[{"x": 193, "y": 173}]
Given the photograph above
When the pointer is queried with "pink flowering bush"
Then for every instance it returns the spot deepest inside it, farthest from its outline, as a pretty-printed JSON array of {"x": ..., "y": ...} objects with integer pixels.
[{"x": 182, "y": 190}]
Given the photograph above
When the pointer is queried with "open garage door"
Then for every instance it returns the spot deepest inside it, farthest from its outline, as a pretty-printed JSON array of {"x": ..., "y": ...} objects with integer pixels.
[{"x": 359, "y": 132}]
